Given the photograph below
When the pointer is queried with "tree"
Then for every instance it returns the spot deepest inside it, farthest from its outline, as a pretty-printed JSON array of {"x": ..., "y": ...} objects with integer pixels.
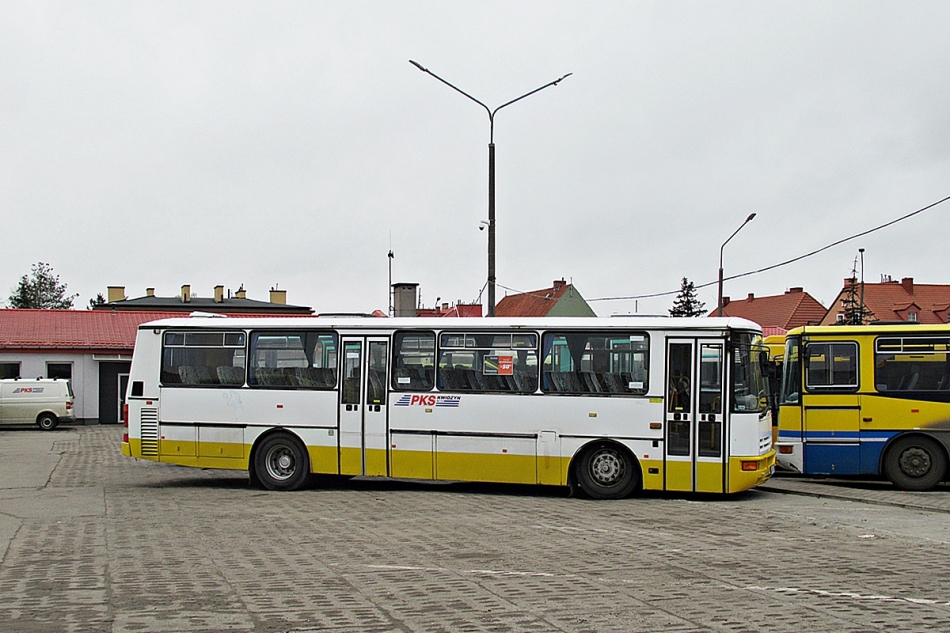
[
  {"x": 41, "y": 289},
  {"x": 686, "y": 304},
  {"x": 98, "y": 301},
  {"x": 855, "y": 310}
]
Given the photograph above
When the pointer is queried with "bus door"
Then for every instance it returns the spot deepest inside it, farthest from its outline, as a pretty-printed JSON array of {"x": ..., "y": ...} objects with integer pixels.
[
  {"x": 695, "y": 421},
  {"x": 363, "y": 422},
  {"x": 831, "y": 409}
]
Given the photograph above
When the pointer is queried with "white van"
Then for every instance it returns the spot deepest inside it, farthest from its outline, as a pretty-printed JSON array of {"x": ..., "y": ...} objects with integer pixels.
[{"x": 42, "y": 401}]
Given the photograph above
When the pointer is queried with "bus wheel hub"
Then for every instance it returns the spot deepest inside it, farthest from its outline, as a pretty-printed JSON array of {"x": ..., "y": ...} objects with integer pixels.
[
  {"x": 606, "y": 467},
  {"x": 915, "y": 462}
]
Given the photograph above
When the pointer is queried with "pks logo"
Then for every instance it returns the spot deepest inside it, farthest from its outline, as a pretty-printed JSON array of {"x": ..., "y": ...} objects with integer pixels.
[
  {"x": 28, "y": 390},
  {"x": 413, "y": 400},
  {"x": 428, "y": 401}
]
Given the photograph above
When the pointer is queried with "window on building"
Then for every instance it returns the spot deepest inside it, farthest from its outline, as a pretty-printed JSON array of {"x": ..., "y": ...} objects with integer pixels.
[
  {"x": 9, "y": 370},
  {"x": 59, "y": 370},
  {"x": 912, "y": 316}
]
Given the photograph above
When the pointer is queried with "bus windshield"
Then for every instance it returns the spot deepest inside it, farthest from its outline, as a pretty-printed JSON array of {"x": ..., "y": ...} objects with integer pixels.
[
  {"x": 749, "y": 384},
  {"x": 791, "y": 373}
]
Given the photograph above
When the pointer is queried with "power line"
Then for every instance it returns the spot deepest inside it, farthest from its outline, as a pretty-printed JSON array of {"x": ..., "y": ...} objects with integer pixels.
[{"x": 786, "y": 262}]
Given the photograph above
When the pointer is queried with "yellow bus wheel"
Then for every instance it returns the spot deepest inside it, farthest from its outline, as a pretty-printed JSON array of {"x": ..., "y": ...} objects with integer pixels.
[
  {"x": 281, "y": 462},
  {"x": 607, "y": 471}
]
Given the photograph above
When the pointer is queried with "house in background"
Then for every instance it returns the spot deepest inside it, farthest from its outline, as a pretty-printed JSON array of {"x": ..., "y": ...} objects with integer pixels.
[
  {"x": 219, "y": 303},
  {"x": 406, "y": 304},
  {"x": 90, "y": 348},
  {"x": 560, "y": 300},
  {"x": 893, "y": 301},
  {"x": 93, "y": 348},
  {"x": 777, "y": 314}
]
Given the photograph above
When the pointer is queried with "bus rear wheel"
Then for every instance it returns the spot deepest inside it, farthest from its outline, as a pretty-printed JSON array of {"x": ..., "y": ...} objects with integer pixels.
[
  {"x": 281, "y": 462},
  {"x": 47, "y": 421},
  {"x": 607, "y": 471},
  {"x": 915, "y": 463}
]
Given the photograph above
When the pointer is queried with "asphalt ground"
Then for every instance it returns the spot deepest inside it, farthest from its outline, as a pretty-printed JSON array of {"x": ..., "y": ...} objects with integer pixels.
[{"x": 91, "y": 541}]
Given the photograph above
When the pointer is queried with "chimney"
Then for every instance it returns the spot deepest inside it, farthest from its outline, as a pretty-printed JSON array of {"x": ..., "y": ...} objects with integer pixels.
[
  {"x": 218, "y": 294},
  {"x": 404, "y": 299},
  {"x": 795, "y": 291},
  {"x": 278, "y": 296},
  {"x": 908, "y": 284},
  {"x": 150, "y": 292},
  {"x": 240, "y": 293},
  {"x": 751, "y": 297},
  {"x": 116, "y": 293},
  {"x": 725, "y": 301},
  {"x": 559, "y": 284},
  {"x": 185, "y": 294}
]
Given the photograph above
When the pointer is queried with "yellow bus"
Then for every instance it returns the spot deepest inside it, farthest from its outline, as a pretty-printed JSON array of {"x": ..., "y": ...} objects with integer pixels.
[
  {"x": 609, "y": 406},
  {"x": 867, "y": 400}
]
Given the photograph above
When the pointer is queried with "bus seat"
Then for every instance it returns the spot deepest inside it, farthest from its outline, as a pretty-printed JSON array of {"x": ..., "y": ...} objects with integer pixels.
[
  {"x": 196, "y": 375},
  {"x": 912, "y": 384},
  {"x": 614, "y": 383},
  {"x": 591, "y": 382},
  {"x": 314, "y": 377},
  {"x": 229, "y": 375}
]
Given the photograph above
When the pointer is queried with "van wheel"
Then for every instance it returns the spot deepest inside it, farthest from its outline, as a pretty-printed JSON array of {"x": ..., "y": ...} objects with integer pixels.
[
  {"x": 281, "y": 462},
  {"x": 607, "y": 471},
  {"x": 915, "y": 463},
  {"x": 47, "y": 421}
]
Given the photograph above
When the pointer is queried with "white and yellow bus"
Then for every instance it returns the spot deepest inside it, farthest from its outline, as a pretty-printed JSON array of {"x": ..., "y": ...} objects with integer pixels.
[
  {"x": 867, "y": 400},
  {"x": 608, "y": 405}
]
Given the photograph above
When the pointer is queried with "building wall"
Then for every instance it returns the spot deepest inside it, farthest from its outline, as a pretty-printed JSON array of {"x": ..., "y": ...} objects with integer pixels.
[{"x": 571, "y": 304}]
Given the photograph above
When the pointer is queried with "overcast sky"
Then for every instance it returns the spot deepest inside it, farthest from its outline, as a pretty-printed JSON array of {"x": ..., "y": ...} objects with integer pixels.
[{"x": 291, "y": 144}]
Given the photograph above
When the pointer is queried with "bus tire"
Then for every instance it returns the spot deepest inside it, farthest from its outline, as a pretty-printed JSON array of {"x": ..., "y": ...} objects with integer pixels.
[
  {"x": 47, "y": 421},
  {"x": 281, "y": 462},
  {"x": 607, "y": 471},
  {"x": 915, "y": 462}
]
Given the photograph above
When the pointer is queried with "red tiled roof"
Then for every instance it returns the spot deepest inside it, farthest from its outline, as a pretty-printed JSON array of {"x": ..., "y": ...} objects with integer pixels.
[
  {"x": 86, "y": 330},
  {"x": 890, "y": 301},
  {"x": 536, "y": 303},
  {"x": 790, "y": 310}
]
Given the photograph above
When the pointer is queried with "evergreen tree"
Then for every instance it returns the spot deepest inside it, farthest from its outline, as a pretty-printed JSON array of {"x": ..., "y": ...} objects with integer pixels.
[
  {"x": 98, "y": 301},
  {"x": 41, "y": 289},
  {"x": 855, "y": 311},
  {"x": 686, "y": 304}
]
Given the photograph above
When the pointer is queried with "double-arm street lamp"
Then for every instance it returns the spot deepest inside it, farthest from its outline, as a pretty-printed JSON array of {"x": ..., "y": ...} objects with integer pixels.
[
  {"x": 491, "y": 171},
  {"x": 747, "y": 220}
]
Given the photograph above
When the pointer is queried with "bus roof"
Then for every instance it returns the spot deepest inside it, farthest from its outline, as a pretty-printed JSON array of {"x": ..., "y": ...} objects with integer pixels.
[
  {"x": 857, "y": 330},
  {"x": 358, "y": 323}
]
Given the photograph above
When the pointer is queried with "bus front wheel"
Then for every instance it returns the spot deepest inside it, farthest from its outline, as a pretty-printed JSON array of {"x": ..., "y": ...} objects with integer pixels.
[
  {"x": 607, "y": 471},
  {"x": 915, "y": 463},
  {"x": 281, "y": 462}
]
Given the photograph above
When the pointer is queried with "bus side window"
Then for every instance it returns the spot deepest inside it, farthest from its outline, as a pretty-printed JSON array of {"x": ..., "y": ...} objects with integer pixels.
[{"x": 413, "y": 361}]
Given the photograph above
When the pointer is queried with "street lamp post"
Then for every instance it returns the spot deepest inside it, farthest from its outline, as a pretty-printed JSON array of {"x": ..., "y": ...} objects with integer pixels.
[
  {"x": 491, "y": 171},
  {"x": 747, "y": 220}
]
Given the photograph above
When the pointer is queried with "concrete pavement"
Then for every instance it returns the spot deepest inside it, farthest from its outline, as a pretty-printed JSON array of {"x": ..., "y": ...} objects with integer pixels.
[{"x": 95, "y": 542}]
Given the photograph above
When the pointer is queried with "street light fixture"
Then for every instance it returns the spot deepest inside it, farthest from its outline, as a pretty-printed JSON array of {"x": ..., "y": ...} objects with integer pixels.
[
  {"x": 747, "y": 220},
  {"x": 491, "y": 170}
]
